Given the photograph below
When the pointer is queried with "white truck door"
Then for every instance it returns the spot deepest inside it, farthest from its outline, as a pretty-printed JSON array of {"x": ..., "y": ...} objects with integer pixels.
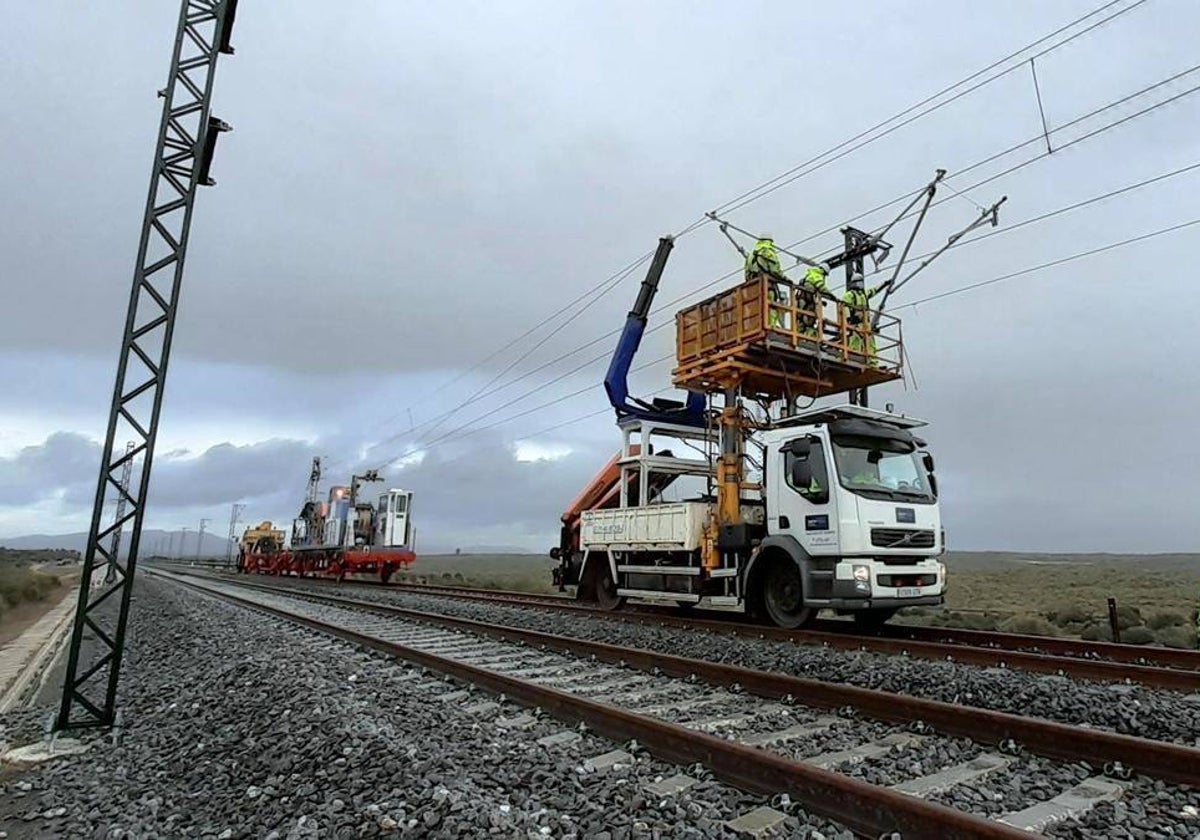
[{"x": 805, "y": 511}]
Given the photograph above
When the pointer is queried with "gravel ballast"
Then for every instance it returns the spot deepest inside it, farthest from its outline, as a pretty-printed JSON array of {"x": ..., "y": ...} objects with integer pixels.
[
  {"x": 1128, "y": 709},
  {"x": 1154, "y": 809},
  {"x": 237, "y": 725}
]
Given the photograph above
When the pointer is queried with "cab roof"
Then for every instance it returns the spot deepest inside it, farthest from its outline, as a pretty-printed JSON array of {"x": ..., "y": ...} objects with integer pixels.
[{"x": 841, "y": 412}]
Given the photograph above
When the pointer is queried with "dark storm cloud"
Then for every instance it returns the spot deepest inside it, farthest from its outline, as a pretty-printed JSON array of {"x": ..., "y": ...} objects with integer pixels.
[
  {"x": 64, "y": 463},
  {"x": 65, "y": 467}
]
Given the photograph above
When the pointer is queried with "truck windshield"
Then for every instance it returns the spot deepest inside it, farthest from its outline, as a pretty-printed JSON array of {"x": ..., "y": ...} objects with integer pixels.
[{"x": 881, "y": 469}]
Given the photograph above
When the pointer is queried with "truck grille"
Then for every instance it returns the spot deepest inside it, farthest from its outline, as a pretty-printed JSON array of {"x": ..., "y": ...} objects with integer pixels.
[
  {"x": 901, "y": 538},
  {"x": 906, "y": 580}
]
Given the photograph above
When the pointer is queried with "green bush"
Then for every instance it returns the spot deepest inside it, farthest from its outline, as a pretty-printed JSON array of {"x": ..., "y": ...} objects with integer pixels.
[
  {"x": 1096, "y": 633},
  {"x": 1129, "y": 617},
  {"x": 1028, "y": 625},
  {"x": 1160, "y": 620},
  {"x": 21, "y": 585},
  {"x": 1140, "y": 635},
  {"x": 1068, "y": 614},
  {"x": 966, "y": 621},
  {"x": 1178, "y": 637}
]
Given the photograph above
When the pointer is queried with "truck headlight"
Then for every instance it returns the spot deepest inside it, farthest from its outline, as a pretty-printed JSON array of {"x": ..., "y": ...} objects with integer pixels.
[{"x": 862, "y": 573}]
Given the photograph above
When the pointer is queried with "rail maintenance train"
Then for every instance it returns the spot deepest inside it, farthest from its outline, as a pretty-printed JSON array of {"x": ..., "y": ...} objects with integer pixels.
[{"x": 339, "y": 537}]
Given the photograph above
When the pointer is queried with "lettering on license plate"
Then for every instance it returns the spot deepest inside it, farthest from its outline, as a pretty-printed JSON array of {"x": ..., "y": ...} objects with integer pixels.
[{"x": 908, "y": 591}]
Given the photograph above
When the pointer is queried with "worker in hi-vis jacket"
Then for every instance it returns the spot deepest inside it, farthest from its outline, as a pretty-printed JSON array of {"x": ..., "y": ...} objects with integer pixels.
[
  {"x": 858, "y": 315},
  {"x": 764, "y": 259}
]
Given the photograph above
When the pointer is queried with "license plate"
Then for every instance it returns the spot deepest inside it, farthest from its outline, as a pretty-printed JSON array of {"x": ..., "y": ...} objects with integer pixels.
[{"x": 908, "y": 591}]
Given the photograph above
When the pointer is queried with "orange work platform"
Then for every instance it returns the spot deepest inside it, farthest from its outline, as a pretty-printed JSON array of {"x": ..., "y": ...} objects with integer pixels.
[{"x": 778, "y": 340}]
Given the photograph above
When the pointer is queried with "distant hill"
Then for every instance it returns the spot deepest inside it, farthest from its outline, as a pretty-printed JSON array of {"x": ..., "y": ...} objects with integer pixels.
[{"x": 153, "y": 542}]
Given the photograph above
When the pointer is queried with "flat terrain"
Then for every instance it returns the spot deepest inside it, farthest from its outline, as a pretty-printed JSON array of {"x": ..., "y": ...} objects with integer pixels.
[
  {"x": 525, "y": 572},
  {"x": 1045, "y": 594}
]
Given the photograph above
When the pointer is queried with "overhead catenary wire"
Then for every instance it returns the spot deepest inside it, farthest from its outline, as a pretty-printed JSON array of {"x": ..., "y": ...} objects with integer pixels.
[
  {"x": 493, "y": 388},
  {"x": 996, "y": 156},
  {"x": 1049, "y": 264},
  {"x": 793, "y": 174},
  {"x": 911, "y": 304},
  {"x": 483, "y": 390},
  {"x": 1032, "y": 140},
  {"x": 819, "y": 162},
  {"x": 999, "y": 231},
  {"x": 1128, "y": 188}
]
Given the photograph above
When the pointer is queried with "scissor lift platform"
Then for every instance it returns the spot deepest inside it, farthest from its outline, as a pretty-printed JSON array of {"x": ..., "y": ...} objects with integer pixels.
[{"x": 773, "y": 342}]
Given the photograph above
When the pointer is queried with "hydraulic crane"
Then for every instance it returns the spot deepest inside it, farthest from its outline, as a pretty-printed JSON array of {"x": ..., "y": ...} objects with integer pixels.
[{"x": 616, "y": 380}]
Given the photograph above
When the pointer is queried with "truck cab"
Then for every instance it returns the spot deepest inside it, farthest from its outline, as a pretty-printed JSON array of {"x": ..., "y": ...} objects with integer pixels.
[{"x": 851, "y": 517}]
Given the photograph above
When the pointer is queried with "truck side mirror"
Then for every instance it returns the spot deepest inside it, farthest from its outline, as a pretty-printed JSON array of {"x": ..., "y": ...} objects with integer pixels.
[
  {"x": 802, "y": 475},
  {"x": 927, "y": 459},
  {"x": 800, "y": 447}
]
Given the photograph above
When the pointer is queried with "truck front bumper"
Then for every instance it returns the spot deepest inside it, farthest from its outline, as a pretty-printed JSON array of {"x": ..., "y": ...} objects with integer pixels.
[{"x": 860, "y": 603}]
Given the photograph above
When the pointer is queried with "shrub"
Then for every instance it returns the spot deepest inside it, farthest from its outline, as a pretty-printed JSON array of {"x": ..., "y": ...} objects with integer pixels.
[
  {"x": 18, "y": 586},
  {"x": 1072, "y": 613},
  {"x": 1128, "y": 617},
  {"x": 1140, "y": 635},
  {"x": 1096, "y": 633},
  {"x": 1178, "y": 637},
  {"x": 966, "y": 621},
  {"x": 1028, "y": 625},
  {"x": 981, "y": 621},
  {"x": 1160, "y": 620}
]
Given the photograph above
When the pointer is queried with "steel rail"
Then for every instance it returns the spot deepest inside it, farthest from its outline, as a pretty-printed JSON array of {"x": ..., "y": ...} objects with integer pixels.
[
  {"x": 1027, "y": 653},
  {"x": 1181, "y": 659},
  {"x": 1158, "y": 759},
  {"x": 869, "y": 810}
]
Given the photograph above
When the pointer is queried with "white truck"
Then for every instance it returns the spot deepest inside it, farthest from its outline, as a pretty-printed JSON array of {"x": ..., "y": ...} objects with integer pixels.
[{"x": 841, "y": 510}]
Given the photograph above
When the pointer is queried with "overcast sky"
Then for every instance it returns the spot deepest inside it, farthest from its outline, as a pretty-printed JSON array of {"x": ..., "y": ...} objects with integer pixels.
[{"x": 409, "y": 186}]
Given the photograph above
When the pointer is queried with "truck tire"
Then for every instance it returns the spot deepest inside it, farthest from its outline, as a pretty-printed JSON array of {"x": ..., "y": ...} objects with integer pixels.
[
  {"x": 605, "y": 589},
  {"x": 870, "y": 620},
  {"x": 783, "y": 595}
]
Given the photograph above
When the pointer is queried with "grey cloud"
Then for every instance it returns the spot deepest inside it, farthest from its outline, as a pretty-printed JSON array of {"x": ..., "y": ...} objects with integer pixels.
[
  {"x": 65, "y": 462},
  {"x": 484, "y": 488},
  {"x": 226, "y": 472},
  {"x": 407, "y": 191}
]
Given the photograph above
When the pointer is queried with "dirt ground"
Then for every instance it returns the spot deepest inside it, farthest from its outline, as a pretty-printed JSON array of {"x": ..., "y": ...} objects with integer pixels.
[{"x": 14, "y": 620}]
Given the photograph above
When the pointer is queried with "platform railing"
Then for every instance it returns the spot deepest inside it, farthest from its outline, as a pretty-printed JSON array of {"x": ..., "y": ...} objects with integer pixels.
[
  {"x": 830, "y": 328},
  {"x": 792, "y": 315}
]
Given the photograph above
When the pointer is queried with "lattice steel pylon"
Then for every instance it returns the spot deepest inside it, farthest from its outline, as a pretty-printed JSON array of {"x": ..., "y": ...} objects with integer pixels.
[
  {"x": 235, "y": 514},
  {"x": 110, "y": 571},
  {"x": 200, "y": 537},
  {"x": 186, "y": 137}
]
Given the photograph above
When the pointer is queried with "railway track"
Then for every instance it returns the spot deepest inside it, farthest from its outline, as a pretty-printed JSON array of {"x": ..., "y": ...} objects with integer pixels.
[
  {"x": 1164, "y": 668},
  {"x": 874, "y": 761}
]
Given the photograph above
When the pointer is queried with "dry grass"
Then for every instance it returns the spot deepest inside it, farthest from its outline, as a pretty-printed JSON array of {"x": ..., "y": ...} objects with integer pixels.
[{"x": 1044, "y": 589}]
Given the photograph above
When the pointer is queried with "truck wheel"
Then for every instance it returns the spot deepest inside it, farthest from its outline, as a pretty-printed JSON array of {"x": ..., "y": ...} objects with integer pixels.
[
  {"x": 606, "y": 590},
  {"x": 872, "y": 619},
  {"x": 783, "y": 596}
]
